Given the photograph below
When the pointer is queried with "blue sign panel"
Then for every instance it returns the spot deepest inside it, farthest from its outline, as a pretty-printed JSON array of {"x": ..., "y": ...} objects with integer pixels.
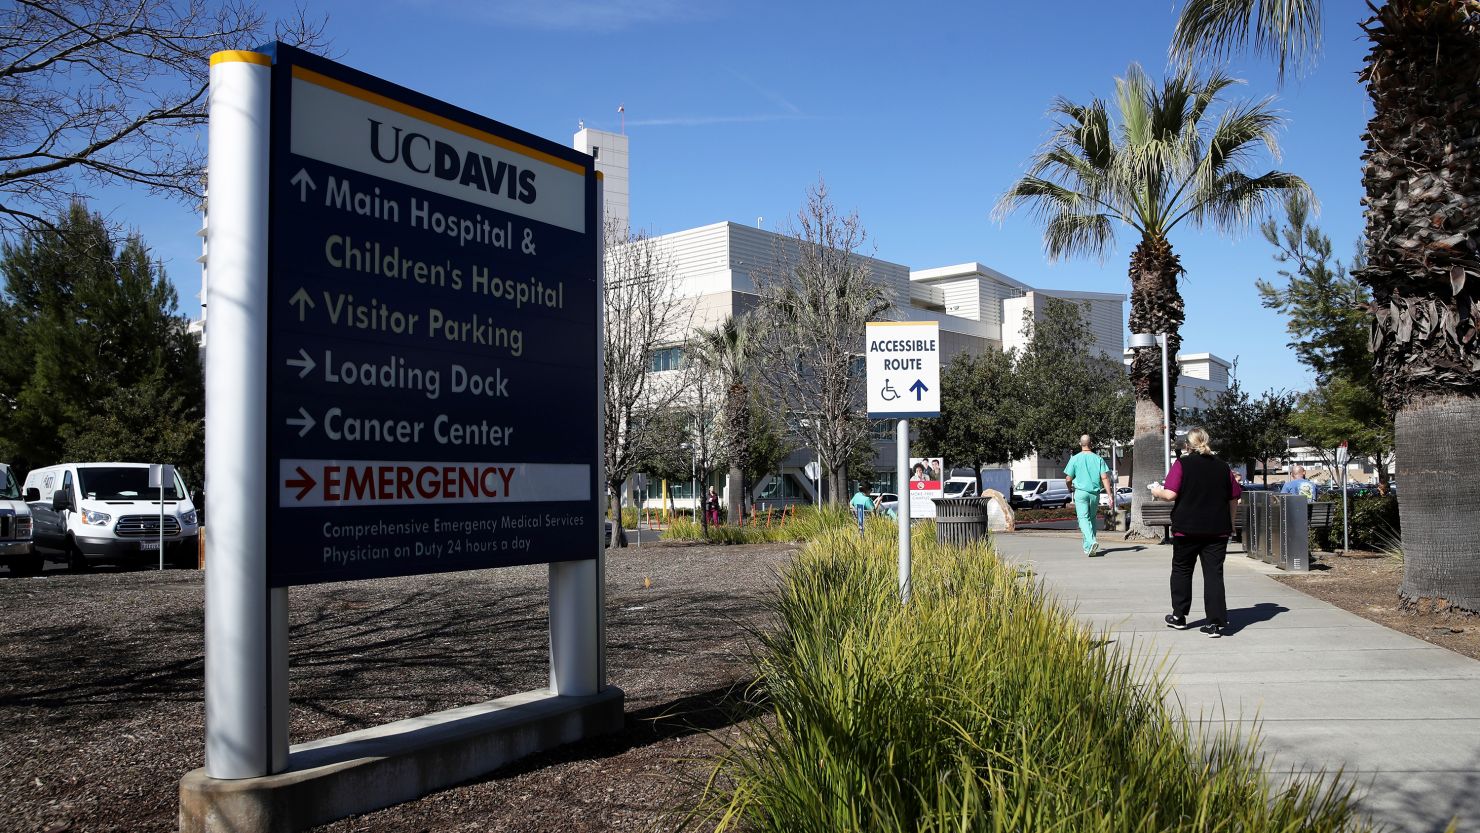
[{"x": 433, "y": 335}]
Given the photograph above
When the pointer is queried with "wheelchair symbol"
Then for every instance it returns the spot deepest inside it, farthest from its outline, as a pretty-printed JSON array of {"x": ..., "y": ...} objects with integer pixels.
[{"x": 888, "y": 394}]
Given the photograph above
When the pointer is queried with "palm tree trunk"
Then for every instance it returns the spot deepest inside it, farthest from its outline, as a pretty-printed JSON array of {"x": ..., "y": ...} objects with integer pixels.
[
  {"x": 1156, "y": 307},
  {"x": 1438, "y": 443},
  {"x": 1422, "y": 178},
  {"x": 1147, "y": 457},
  {"x": 735, "y": 492}
]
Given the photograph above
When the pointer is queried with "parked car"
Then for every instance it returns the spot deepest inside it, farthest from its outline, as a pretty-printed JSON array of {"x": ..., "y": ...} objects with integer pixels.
[
  {"x": 886, "y": 503},
  {"x": 91, "y": 512},
  {"x": 1040, "y": 494},
  {"x": 960, "y": 487},
  {"x": 1122, "y": 498},
  {"x": 17, "y": 550}
]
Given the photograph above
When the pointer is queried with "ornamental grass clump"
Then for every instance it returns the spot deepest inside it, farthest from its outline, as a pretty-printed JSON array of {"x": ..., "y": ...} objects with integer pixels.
[
  {"x": 801, "y": 523},
  {"x": 980, "y": 706}
]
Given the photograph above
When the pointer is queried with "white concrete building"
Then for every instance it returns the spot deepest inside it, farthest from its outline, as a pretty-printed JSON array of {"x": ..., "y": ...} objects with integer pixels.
[
  {"x": 977, "y": 308},
  {"x": 1202, "y": 377},
  {"x": 614, "y": 165},
  {"x": 1002, "y": 305}
]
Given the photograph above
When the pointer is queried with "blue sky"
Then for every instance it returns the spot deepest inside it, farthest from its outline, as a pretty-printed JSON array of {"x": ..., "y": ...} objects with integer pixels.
[{"x": 917, "y": 116}]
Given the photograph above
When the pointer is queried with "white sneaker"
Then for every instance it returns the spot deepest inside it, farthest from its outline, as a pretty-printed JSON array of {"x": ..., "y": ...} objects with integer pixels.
[{"x": 1094, "y": 549}]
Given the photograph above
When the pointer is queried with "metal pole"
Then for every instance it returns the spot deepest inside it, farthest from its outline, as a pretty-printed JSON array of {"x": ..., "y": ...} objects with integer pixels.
[
  {"x": 1345, "y": 525},
  {"x": 574, "y": 664},
  {"x": 245, "y": 620},
  {"x": 577, "y": 588},
  {"x": 1166, "y": 408},
  {"x": 600, "y": 481},
  {"x": 902, "y": 472}
]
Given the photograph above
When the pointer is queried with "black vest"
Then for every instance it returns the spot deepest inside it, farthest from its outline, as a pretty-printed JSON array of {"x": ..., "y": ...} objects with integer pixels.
[{"x": 1202, "y": 499}]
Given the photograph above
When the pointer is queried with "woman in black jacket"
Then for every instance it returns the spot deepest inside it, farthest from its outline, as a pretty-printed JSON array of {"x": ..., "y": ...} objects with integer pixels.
[{"x": 1207, "y": 493}]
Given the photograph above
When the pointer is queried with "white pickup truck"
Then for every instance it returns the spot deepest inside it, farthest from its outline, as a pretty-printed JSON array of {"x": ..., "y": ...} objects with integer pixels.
[{"x": 17, "y": 550}]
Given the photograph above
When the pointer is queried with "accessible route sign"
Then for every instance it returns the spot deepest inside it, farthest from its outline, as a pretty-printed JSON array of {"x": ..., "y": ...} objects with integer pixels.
[
  {"x": 433, "y": 335},
  {"x": 902, "y": 369}
]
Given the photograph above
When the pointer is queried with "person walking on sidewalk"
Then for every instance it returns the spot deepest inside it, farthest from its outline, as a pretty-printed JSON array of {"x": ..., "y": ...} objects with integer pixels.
[
  {"x": 1207, "y": 494},
  {"x": 1085, "y": 474}
]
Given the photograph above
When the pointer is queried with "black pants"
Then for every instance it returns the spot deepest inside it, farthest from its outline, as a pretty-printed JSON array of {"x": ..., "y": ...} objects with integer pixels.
[{"x": 1186, "y": 552}]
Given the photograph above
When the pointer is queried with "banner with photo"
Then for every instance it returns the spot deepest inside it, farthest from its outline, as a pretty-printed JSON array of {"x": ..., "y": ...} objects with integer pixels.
[{"x": 925, "y": 485}]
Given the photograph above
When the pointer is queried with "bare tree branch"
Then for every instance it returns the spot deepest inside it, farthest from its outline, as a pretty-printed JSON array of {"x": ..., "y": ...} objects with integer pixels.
[
  {"x": 642, "y": 312},
  {"x": 100, "y": 91},
  {"x": 815, "y": 298}
]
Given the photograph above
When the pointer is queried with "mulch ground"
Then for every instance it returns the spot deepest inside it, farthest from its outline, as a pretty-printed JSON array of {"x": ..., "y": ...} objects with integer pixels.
[
  {"x": 101, "y": 706},
  {"x": 100, "y": 688}
]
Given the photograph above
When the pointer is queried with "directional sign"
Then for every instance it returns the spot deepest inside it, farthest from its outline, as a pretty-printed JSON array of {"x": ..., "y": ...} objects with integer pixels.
[
  {"x": 903, "y": 368},
  {"x": 432, "y": 334}
]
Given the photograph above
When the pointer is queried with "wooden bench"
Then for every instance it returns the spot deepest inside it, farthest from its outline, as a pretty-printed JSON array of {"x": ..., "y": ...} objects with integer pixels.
[
  {"x": 1321, "y": 514},
  {"x": 1159, "y": 513}
]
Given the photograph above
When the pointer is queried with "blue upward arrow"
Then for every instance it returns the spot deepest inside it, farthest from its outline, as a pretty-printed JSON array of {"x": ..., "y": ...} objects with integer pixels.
[{"x": 918, "y": 389}]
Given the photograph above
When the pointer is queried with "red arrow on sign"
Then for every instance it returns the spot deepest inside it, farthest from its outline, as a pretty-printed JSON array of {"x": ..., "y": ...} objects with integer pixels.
[{"x": 304, "y": 481}]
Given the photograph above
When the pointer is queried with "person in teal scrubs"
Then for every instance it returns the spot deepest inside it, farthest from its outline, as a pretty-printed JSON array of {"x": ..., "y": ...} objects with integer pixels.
[
  {"x": 861, "y": 504},
  {"x": 1085, "y": 475}
]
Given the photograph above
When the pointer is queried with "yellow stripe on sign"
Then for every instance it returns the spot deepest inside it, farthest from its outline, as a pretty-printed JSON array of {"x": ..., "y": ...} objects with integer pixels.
[
  {"x": 441, "y": 121},
  {"x": 238, "y": 56}
]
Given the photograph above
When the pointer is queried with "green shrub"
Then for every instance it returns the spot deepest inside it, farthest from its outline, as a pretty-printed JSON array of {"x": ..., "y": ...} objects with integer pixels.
[
  {"x": 1033, "y": 516},
  {"x": 1374, "y": 525},
  {"x": 980, "y": 706}
]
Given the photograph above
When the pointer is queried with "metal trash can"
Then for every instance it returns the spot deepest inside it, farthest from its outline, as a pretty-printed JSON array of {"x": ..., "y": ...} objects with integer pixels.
[
  {"x": 1256, "y": 524},
  {"x": 1290, "y": 533},
  {"x": 960, "y": 520},
  {"x": 1274, "y": 525}
]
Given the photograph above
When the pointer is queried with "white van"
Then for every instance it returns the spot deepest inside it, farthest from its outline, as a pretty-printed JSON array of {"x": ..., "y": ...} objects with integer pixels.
[
  {"x": 88, "y": 512},
  {"x": 16, "y": 548},
  {"x": 960, "y": 487}
]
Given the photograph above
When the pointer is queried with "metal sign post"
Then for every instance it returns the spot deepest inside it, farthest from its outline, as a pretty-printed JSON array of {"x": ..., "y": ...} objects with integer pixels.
[
  {"x": 902, "y": 502},
  {"x": 158, "y": 476},
  {"x": 813, "y": 470},
  {"x": 1341, "y": 458},
  {"x": 902, "y": 360}
]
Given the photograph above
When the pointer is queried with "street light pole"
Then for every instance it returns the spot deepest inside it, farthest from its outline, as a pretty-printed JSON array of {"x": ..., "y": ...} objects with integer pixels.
[{"x": 1166, "y": 408}]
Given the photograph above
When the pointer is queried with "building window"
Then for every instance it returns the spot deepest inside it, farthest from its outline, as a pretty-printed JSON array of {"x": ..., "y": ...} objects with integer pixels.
[
  {"x": 781, "y": 487},
  {"x": 595, "y": 152},
  {"x": 857, "y": 368},
  {"x": 880, "y": 482},
  {"x": 668, "y": 358}
]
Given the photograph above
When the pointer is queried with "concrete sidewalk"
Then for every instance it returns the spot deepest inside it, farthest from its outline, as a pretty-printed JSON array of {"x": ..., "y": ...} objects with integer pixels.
[{"x": 1329, "y": 688}]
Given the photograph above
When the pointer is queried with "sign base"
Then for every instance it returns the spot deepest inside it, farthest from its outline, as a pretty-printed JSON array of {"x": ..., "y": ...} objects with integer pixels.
[{"x": 357, "y": 772}]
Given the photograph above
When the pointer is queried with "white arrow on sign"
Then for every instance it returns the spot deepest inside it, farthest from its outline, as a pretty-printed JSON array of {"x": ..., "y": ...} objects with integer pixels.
[
  {"x": 301, "y": 298},
  {"x": 307, "y": 363},
  {"x": 304, "y": 183},
  {"x": 306, "y": 420}
]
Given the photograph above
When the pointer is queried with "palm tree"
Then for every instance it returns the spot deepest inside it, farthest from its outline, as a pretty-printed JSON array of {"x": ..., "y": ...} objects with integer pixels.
[
  {"x": 1164, "y": 161},
  {"x": 728, "y": 348},
  {"x": 1422, "y": 178}
]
